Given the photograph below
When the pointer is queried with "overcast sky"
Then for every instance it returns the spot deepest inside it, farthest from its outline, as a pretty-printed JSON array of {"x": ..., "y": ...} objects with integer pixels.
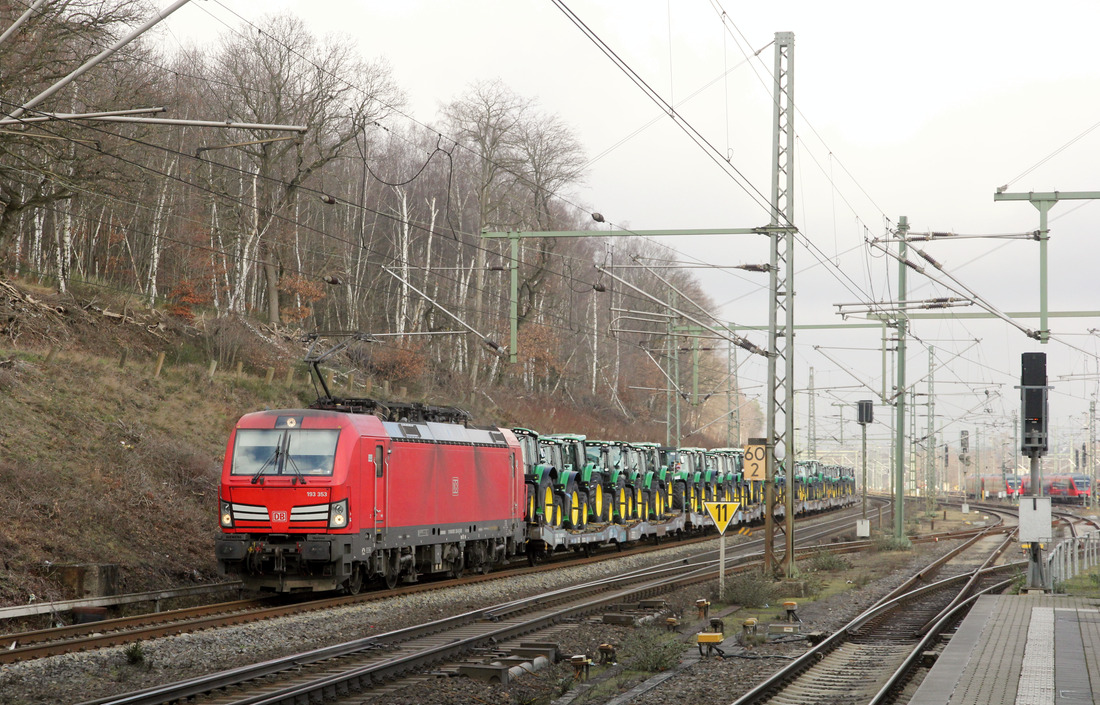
[{"x": 915, "y": 109}]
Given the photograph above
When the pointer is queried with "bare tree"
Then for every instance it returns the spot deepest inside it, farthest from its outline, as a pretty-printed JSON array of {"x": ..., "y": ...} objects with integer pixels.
[
  {"x": 41, "y": 164},
  {"x": 282, "y": 74}
]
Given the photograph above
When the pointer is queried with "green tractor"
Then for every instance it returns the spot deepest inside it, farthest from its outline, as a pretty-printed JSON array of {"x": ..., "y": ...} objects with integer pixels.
[
  {"x": 656, "y": 486},
  {"x": 539, "y": 477},
  {"x": 585, "y": 458},
  {"x": 568, "y": 490}
]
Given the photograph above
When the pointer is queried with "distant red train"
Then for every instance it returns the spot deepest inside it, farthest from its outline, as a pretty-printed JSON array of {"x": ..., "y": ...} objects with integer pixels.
[
  {"x": 320, "y": 499},
  {"x": 1070, "y": 489},
  {"x": 992, "y": 486}
]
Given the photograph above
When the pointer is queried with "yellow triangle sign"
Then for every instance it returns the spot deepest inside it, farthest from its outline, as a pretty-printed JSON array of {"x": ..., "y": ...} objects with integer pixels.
[{"x": 721, "y": 513}]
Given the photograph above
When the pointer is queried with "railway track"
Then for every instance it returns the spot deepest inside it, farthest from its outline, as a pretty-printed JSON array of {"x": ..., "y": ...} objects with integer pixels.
[
  {"x": 115, "y": 632},
  {"x": 868, "y": 661},
  {"x": 348, "y": 668},
  {"x": 359, "y": 665}
]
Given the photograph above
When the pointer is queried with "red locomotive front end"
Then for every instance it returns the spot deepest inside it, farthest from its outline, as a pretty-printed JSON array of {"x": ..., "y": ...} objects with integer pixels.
[{"x": 288, "y": 484}]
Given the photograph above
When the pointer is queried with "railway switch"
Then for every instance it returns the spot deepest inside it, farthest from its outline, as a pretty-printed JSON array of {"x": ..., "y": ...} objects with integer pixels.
[
  {"x": 671, "y": 623},
  {"x": 607, "y": 654},
  {"x": 703, "y": 606},
  {"x": 792, "y": 611},
  {"x": 748, "y": 626},
  {"x": 717, "y": 625}
]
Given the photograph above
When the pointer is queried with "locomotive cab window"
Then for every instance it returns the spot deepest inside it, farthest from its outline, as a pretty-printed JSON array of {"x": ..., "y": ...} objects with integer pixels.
[{"x": 301, "y": 452}]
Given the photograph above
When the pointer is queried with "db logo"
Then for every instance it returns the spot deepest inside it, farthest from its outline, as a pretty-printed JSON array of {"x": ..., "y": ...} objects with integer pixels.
[
  {"x": 454, "y": 486},
  {"x": 278, "y": 516}
]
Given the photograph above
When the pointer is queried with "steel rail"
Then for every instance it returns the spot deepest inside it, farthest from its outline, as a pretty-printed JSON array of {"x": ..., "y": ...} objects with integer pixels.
[
  {"x": 699, "y": 573},
  {"x": 899, "y": 677},
  {"x": 797, "y": 667},
  {"x": 204, "y": 684},
  {"x": 61, "y": 640},
  {"x": 965, "y": 592}
]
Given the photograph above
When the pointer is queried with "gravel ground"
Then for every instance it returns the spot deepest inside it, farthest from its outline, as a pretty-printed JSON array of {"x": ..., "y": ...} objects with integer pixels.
[
  {"x": 74, "y": 678},
  {"x": 77, "y": 677},
  {"x": 710, "y": 681}
]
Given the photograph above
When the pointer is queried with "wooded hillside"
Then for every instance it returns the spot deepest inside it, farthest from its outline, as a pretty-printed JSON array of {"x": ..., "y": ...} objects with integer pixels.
[{"x": 368, "y": 220}]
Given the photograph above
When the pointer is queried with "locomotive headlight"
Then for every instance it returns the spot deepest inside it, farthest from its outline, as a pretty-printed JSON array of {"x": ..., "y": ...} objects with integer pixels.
[
  {"x": 227, "y": 514},
  {"x": 338, "y": 514}
]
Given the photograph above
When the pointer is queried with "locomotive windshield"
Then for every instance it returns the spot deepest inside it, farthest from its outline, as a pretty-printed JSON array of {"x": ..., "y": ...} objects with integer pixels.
[{"x": 302, "y": 452}]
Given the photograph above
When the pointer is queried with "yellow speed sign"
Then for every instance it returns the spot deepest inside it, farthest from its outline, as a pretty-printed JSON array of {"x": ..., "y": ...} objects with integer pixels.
[{"x": 756, "y": 459}]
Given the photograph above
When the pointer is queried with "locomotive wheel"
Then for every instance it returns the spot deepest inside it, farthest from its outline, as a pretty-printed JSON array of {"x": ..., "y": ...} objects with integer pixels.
[
  {"x": 458, "y": 566},
  {"x": 392, "y": 568},
  {"x": 355, "y": 582},
  {"x": 480, "y": 559}
]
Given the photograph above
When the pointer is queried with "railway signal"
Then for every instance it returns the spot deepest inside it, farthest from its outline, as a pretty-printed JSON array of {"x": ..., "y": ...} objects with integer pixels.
[
  {"x": 1033, "y": 400},
  {"x": 721, "y": 513}
]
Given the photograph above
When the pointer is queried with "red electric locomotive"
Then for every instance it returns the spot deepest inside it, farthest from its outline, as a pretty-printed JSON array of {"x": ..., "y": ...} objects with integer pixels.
[{"x": 329, "y": 497}]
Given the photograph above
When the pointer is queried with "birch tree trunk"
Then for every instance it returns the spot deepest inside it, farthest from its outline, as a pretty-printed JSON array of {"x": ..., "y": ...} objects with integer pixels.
[{"x": 403, "y": 247}]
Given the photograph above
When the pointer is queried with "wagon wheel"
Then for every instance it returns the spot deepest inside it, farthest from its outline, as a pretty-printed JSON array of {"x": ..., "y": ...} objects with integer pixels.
[{"x": 535, "y": 555}]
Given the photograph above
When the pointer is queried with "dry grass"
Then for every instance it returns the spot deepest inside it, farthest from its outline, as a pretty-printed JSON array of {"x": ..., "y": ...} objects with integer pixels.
[
  {"x": 103, "y": 463},
  {"x": 108, "y": 465}
]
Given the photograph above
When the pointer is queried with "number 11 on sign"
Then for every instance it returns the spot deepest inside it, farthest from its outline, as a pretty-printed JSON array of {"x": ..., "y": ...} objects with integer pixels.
[{"x": 721, "y": 513}]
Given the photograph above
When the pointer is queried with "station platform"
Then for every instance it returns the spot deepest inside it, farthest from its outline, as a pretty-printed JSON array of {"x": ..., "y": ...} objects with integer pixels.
[{"x": 1022, "y": 650}]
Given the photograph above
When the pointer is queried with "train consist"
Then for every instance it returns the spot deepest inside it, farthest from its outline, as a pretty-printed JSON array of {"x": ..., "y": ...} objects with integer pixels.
[
  {"x": 353, "y": 490},
  {"x": 993, "y": 486},
  {"x": 1069, "y": 489}
]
